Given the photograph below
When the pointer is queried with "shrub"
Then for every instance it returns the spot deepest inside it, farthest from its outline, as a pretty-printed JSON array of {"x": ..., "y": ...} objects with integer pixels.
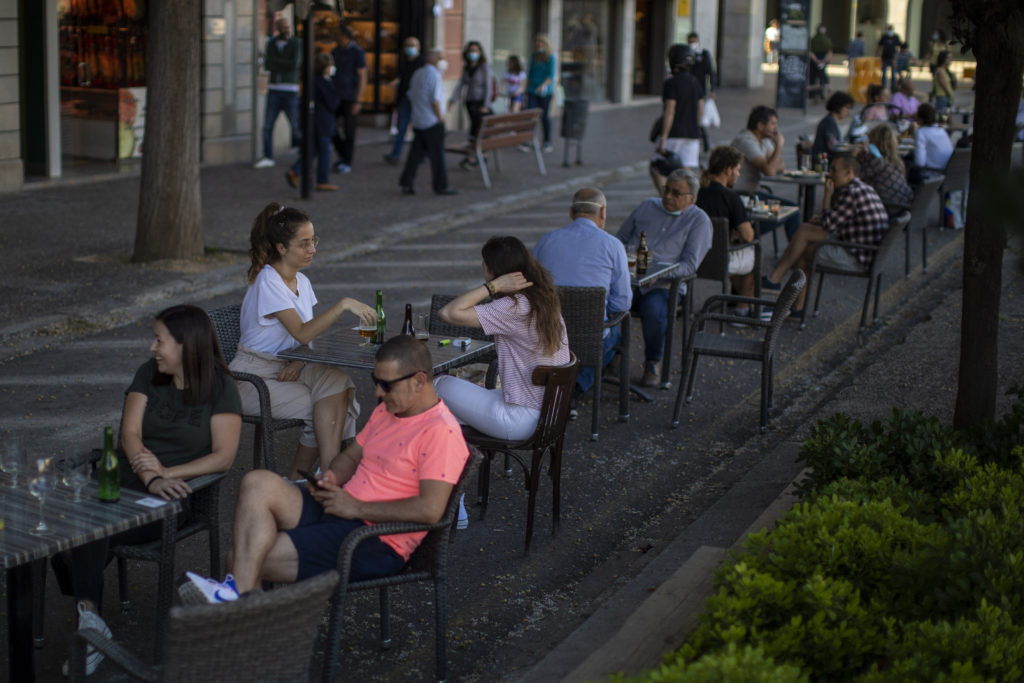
[{"x": 733, "y": 664}]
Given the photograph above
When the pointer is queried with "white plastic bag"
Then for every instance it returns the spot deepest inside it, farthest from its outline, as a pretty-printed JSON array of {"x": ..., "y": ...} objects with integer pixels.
[{"x": 711, "y": 118}]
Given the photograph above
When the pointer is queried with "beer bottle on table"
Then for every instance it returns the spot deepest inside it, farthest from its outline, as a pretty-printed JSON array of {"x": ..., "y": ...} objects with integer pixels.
[
  {"x": 407, "y": 323},
  {"x": 381, "y": 325},
  {"x": 642, "y": 255},
  {"x": 108, "y": 473}
]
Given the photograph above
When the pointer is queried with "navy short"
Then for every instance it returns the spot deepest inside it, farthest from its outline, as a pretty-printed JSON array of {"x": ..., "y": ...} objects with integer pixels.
[{"x": 319, "y": 536}]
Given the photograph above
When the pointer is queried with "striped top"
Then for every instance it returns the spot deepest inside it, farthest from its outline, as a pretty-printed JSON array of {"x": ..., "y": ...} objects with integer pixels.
[{"x": 518, "y": 347}]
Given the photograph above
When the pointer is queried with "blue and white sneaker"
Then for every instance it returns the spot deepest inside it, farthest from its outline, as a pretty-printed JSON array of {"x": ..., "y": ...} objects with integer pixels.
[
  {"x": 89, "y": 619},
  {"x": 199, "y": 590}
]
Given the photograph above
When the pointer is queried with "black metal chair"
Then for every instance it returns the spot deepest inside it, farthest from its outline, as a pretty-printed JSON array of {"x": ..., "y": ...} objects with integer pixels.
[
  {"x": 702, "y": 343},
  {"x": 429, "y": 562},
  {"x": 263, "y": 637},
  {"x": 440, "y": 327},
  {"x": 873, "y": 274},
  {"x": 226, "y": 324},
  {"x": 549, "y": 436},
  {"x": 924, "y": 193},
  {"x": 583, "y": 310}
]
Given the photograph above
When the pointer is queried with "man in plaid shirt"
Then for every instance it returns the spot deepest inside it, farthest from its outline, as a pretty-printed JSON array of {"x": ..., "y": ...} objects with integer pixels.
[{"x": 856, "y": 215}]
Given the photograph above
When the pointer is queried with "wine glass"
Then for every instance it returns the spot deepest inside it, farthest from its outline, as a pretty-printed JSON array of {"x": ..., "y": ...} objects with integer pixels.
[
  {"x": 12, "y": 458},
  {"x": 81, "y": 469},
  {"x": 368, "y": 331},
  {"x": 40, "y": 486}
]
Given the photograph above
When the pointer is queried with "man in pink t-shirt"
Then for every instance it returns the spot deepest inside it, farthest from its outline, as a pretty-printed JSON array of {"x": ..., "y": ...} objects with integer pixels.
[{"x": 402, "y": 468}]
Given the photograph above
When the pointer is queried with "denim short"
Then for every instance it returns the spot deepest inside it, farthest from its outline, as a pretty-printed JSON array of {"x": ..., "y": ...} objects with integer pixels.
[{"x": 319, "y": 536}]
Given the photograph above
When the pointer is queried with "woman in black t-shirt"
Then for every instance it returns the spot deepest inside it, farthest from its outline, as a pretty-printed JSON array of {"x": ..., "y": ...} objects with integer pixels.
[{"x": 182, "y": 418}]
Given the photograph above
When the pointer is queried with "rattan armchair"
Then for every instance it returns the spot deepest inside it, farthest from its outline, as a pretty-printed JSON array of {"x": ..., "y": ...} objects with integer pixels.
[
  {"x": 261, "y": 637},
  {"x": 429, "y": 562},
  {"x": 873, "y": 274},
  {"x": 227, "y": 326},
  {"x": 583, "y": 310},
  {"x": 558, "y": 383},
  {"x": 763, "y": 350}
]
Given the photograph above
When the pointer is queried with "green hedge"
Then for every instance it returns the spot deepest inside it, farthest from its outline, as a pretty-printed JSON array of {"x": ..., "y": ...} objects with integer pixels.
[{"x": 904, "y": 561}]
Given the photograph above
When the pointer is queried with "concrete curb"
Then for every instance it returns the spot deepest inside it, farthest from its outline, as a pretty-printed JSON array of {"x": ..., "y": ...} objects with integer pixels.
[{"x": 36, "y": 333}]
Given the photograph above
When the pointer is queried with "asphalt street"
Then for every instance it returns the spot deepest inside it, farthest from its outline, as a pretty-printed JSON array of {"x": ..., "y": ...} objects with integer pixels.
[{"x": 75, "y": 323}]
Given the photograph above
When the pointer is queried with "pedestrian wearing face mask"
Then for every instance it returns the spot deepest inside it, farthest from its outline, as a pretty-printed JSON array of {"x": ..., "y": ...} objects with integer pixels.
[
  {"x": 410, "y": 60},
  {"x": 325, "y": 102},
  {"x": 476, "y": 83},
  {"x": 540, "y": 84},
  {"x": 888, "y": 47}
]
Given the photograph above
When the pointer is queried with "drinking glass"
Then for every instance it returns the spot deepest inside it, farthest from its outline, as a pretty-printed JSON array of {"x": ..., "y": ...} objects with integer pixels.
[
  {"x": 81, "y": 469},
  {"x": 12, "y": 457},
  {"x": 422, "y": 327},
  {"x": 367, "y": 332},
  {"x": 40, "y": 486}
]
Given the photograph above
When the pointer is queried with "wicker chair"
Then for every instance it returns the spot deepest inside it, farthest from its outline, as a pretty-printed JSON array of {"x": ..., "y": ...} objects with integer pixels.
[
  {"x": 924, "y": 193},
  {"x": 263, "y": 637},
  {"x": 762, "y": 350},
  {"x": 429, "y": 562},
  {"x": 715, "y": 265},
  {"x": 226, "y": 324},
  {"x": 583, "y": 310},
  {"x": 201, "y": 513},
  {"x": 897, "y": 226},
  {"x": 440, "y": 327},
  {"x": 558, "y": 383}
]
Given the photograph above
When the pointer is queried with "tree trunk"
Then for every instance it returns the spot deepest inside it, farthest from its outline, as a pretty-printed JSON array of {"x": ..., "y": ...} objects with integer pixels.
[
  {"x": 170, "y": 215},
  {"x": 999, "y": 49}
]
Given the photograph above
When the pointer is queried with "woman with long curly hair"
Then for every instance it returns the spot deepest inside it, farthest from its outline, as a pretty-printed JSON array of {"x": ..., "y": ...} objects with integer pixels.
[
  {"x": 277, "y": 314},
  {"x": 525, "y": 318},
  {"x": 882, "y": 168}
]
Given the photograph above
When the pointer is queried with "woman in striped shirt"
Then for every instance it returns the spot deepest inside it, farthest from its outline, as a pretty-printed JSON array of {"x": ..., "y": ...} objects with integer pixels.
[{"x": 525, "y": 318}]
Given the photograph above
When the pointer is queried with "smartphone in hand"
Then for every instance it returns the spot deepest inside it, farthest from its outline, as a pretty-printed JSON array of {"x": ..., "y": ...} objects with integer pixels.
[{"x": 310, "y": 477}]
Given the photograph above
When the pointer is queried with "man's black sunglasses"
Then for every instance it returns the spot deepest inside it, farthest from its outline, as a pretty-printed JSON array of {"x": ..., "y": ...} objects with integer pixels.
[{"x": 387, "y": 384}]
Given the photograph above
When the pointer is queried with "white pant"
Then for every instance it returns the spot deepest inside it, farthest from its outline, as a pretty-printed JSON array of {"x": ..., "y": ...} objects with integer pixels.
[
  {"x": 485, "y": 410},
  {"x": 688, "y": 150}
]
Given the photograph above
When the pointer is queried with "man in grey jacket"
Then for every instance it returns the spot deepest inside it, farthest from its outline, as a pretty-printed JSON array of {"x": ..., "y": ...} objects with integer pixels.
[{"x": 282, "y": 58}]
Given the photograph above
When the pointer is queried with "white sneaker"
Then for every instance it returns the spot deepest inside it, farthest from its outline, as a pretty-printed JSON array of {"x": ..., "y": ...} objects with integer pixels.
[
  {"x": 265, "y": 162},
  {"x": 89, "y": 619},
  {"x": 463, "y": 515},
  {"x": 199, "y": 590}
]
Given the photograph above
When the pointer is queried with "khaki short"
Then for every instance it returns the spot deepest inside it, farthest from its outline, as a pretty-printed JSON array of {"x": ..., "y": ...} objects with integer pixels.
[
  {"x": 837, "y": 257},
  {"x": 294, "y": 400}
]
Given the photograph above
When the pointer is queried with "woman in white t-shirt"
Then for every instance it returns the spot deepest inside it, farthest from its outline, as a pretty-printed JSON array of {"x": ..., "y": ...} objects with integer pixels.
[
  {"x": 277, "y": 314},
  {"x": 525, "y": 318}
]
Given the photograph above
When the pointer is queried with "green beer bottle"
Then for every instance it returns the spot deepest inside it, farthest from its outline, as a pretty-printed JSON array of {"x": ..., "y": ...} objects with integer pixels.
[
  {"x": 107, "y": 470},
  {"x": 381, "y": 325}
]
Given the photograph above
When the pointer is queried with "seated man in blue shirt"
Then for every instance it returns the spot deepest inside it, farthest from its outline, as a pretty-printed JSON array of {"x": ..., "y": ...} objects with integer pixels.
[
  {"x": 582, "y": 254},
  {"x": 677, "y": 232}
]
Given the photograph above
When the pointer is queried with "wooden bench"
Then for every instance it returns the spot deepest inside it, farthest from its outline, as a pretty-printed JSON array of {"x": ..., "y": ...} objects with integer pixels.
[{"x": 500, "y": 131}]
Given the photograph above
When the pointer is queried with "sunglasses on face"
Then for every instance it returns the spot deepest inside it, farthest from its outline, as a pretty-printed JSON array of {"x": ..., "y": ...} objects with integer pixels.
[{"x": 386, "y": 385}]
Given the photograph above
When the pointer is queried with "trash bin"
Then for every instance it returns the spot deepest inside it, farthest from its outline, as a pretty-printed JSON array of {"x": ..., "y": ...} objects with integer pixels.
[
  {"x": 574, "y": 126},
  {"x": 574, "y": 118}
]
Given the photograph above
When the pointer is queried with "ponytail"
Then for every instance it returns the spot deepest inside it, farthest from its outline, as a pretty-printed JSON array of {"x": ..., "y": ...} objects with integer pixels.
[
  {"x": 275, "y": 224},
  {"x": 705, "y": 178}
]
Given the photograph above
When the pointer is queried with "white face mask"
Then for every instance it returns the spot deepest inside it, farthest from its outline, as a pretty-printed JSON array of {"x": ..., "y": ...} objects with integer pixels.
[
  {"x": 442, "y": 65},
  {"x": 333, "y": 70},
  {"x": 695, "y": 47}
]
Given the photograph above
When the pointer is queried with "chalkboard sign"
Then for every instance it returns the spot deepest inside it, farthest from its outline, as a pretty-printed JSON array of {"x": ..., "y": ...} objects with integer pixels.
[{"x": 792, "y": 86}]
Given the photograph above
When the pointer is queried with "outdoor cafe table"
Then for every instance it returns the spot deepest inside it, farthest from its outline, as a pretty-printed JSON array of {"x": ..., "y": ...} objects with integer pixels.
[
  {"x": 772, "y": 220},
  {"x": 342, "y": 346},
  {"x": 71, "y": 524},
  {"x": 660, "y": 271},
  {"x": 806, "y": 184}
]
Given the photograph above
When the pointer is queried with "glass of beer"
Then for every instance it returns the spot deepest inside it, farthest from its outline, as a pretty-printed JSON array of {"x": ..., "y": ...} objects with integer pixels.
[
  {"x": 367, "y": 331},
  {"x": 422, "y": 323}
]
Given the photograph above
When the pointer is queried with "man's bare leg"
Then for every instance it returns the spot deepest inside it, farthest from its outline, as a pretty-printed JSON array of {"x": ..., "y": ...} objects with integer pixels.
[
  {"x": 807, "y": 235},
  {"x": 267, "y": 504}
]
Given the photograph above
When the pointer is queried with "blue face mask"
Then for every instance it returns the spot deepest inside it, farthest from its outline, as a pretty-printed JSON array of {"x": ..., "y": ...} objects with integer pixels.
[
  {"x": 473, "y": 56},
  {"x": 411, "y": 52},
  {"x": 670, "y": 213}
]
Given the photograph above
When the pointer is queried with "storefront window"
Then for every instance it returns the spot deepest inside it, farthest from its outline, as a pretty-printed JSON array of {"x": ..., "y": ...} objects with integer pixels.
[
  {"x": 102, "y": 74},
  {"x": 584, "y": 49},
  {"x": 512, "y": 22}
]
